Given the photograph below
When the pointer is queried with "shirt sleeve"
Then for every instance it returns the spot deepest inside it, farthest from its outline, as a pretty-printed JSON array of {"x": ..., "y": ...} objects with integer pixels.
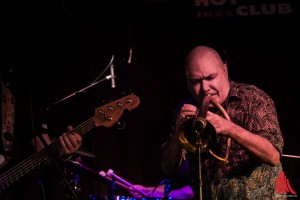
[{"x": 263, "y": 120}]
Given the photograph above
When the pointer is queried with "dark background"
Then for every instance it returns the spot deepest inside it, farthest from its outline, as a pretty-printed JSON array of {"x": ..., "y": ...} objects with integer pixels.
[{"x": 65, "y": 45}]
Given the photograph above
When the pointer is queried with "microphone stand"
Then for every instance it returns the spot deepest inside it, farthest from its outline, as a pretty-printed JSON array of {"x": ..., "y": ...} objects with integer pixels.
[
  {"x": 54, "y": 157},
  {"x": 199, "y": 181},
  {"x": 85, "y": 88},
  {"x": 95, "y": 82},
  {"x": 199, "y": 125},
  {"x": 290, "y": 156}
]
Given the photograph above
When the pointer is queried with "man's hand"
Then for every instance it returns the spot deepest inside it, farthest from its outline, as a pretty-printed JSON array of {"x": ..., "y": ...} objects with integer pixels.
[{"x": 69, "y": 142}]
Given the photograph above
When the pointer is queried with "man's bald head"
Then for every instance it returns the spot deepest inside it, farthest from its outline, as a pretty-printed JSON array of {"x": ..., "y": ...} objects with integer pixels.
[{"x": 203, "y": 51}]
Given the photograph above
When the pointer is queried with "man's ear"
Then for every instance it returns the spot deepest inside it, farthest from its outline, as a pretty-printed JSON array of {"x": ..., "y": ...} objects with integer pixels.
[{"x": 225, "y": 68}]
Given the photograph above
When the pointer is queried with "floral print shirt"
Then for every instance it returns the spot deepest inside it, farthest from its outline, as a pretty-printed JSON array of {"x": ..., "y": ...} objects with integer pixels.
[{"x": 244, "y": 177}]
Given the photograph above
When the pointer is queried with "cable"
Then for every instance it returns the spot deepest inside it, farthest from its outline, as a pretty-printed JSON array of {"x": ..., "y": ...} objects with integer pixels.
[
  {"x": 166, "y": 189},
  {"x": 109, "y": 64}
]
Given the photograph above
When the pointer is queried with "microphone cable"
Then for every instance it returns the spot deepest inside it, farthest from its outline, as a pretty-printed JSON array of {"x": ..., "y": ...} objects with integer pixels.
[{"x": 166, "y": 188}]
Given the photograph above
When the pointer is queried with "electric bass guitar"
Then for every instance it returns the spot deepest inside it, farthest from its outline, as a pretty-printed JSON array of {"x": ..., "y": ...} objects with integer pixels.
[{"x": 106, "y": 115}]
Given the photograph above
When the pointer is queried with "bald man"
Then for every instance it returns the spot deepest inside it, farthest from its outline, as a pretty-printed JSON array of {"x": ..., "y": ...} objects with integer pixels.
[{"x": 248, "y": 130}]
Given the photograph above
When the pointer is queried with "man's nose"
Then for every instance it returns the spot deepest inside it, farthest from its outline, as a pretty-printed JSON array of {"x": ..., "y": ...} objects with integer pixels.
[{"x": 205, "y": 86}]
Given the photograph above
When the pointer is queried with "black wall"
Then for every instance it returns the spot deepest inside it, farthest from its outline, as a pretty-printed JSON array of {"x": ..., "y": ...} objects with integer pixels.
[{"x": 67, "y": 44}]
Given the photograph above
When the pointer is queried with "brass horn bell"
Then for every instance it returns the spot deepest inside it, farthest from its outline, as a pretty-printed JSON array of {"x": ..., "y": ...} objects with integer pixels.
[
  {"x": 195, "y": 128},
  {"x": 200, "y": 133}
]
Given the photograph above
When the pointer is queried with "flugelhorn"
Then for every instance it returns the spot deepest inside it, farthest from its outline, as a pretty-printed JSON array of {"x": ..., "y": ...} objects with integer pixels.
[{"x": 199, "y": 133}]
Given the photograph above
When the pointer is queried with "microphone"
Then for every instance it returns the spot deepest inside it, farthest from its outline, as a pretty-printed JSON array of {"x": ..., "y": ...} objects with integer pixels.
[
  {"x": 112, "y": 76},
  {"x": 130, "y": 56}
]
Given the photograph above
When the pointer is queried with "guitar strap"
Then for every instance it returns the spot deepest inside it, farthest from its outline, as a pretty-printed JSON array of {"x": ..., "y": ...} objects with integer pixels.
[{"x": 8, "y": 111}]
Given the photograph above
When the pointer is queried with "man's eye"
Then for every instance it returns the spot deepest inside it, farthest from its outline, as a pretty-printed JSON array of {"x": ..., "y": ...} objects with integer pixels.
[
  {"x": 194, "y": 82},
  {"x": 210, "y": 78}
]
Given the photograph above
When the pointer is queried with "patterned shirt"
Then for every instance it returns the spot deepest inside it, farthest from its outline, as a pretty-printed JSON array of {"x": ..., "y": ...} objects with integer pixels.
[{"x": 244, "y": 177}]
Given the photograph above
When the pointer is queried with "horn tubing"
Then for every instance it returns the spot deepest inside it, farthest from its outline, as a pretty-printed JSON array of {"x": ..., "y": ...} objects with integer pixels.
[{"x": 226, "y": 116}]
